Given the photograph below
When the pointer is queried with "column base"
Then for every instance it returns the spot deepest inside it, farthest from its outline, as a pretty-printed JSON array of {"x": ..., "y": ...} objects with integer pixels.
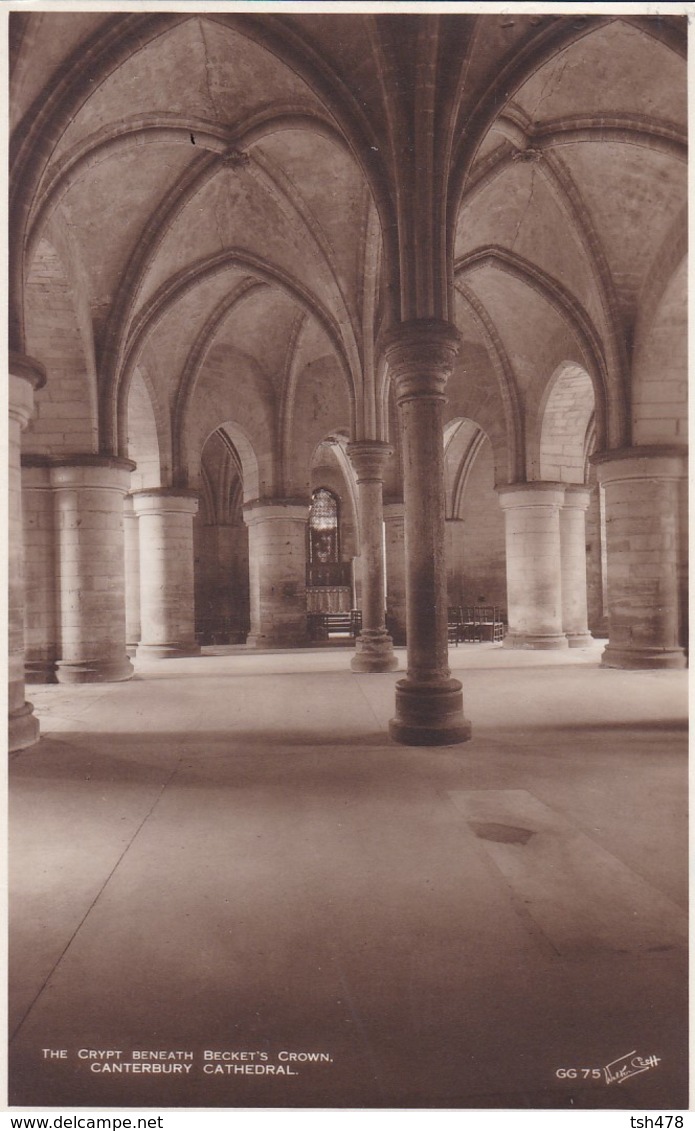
[
  {"x": 130, "y": 650},
  {"x": 636, "y": 659},
  {"x": 40, "y": 671},
  {"x": 538, "y": 641},
  {"x": 429, "y": 714},
  {"x": 171, "y": 651},
  {"x": 23, "y": 728},
  {"x": 374, "y": 652},
  {"x": 94, "y": 671},
  {"x": 579, "y": 639}
]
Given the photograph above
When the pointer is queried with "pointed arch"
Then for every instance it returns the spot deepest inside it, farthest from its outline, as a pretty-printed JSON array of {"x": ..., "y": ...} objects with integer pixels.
[
  {"x": 565, "y": 415},
  {"x": 176, "y": 288},
  {"x": 610, "y": 410}
]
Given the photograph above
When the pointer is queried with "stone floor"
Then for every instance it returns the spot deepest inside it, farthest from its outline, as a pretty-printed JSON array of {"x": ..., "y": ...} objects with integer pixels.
[{"x": 226, "y": 855}]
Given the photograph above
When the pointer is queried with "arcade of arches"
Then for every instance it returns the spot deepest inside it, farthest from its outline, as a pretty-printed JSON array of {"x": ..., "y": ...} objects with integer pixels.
[
  {"x": 321, "y": 319},
  {"x": 432, "y": 264}
]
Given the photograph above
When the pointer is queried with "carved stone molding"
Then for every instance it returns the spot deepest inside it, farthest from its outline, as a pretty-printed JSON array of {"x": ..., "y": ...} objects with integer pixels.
[
  {"x": 421, "y": 356},
  {"x": 369, "y": 458},
  {"x": 28, "y": 369}
]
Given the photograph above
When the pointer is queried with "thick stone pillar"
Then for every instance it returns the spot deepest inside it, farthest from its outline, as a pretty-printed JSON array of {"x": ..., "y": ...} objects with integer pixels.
[
  {"x": 88, "y": 494},
  {"x": 277, "y": 572},
  {"x": 394, "y": 528},
  {"x": 429, "y": 703},
  {"x": 167, "y": 601},
  {"x": 40, "y": 572},
  {"x": 573, "y": 552},
  {"x": 534, "y": 564},
  {"x": 131, "y": 532},
  {"x": 644, "y": 516},
  {"x": 25, "y": 375},
  {"x": 597, "y": 618},
  {"x": 374, "y": 646}
]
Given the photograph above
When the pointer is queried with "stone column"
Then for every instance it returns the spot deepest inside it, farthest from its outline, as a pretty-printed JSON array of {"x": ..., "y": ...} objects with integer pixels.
[
  {"x": 394, "y": 525},
  {"x": 374, "y": 646},
  {"x": 40, "y": 572},
  {"x": 167, "y": 596},
  {"x": 131, "y": 533},
  {"x": 595, "y": 561},
  {"x": 534, "y": 564},
  {"x": 643, "y": 490},
  {"x": 277, "y": 572},
  {"x": 429, "y": 703},
  {"x": 88, "y": 494},
  {"x": 573, "y": 554},
  {"x": 25, "y": 375}
]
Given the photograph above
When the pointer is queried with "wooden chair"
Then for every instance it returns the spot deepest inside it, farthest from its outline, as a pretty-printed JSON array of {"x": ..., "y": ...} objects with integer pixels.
[
  {"x": 482, "y": 623},
  {"x": 454, "y": 624}
]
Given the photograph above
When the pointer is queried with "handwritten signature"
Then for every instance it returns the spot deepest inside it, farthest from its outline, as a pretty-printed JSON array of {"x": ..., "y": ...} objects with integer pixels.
[{"x": 629, "y": 1065}]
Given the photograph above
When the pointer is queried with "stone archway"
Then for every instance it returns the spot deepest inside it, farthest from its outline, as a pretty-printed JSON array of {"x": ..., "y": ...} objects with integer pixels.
[{"x": 221, "y": 545}]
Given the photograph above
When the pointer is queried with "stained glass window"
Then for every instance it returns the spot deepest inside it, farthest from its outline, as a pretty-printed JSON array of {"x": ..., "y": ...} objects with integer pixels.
[{"x": 324, "y": 544}]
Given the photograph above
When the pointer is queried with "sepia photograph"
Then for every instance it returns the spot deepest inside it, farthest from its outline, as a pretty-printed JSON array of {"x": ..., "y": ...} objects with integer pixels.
[{"x": 347, "y": 556}]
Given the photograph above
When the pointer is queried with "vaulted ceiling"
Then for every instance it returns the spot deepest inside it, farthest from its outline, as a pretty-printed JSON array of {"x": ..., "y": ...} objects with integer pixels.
[{"x": 278, "y": 189}]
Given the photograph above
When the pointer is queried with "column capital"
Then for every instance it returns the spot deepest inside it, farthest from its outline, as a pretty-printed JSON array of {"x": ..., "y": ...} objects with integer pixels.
[
  {"x": 164, "y": 500},
  {"x": 420, "y": 356},
  {"x": 20, "y": 400},
  {"x": 577, "y": 496},
  {"x": 662, "y": 461},
  {"x": 83, "y": 459},
  {"x": 91, "y": 471},
  {"x": 27, "y": 369},
  {"x": 268, "y": 510},
  {"x": 36, "y": 476},
  {"x": 538, "y": 493},
  {"x": 369, "y": 457}
]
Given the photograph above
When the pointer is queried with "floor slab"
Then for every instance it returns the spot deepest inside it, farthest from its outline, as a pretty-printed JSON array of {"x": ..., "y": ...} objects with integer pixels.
[{"x": 227, "y": 855}]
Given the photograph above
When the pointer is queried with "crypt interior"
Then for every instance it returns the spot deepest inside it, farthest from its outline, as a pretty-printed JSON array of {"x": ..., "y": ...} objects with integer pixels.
[{"x": 348, "y": 558}]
